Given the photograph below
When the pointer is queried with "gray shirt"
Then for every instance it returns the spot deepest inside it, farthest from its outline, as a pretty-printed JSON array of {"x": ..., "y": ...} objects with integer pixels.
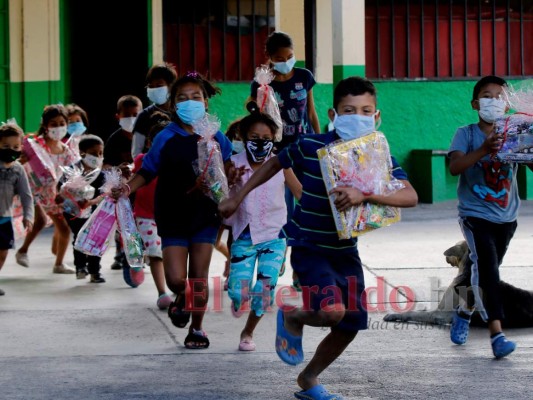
[
  {"x": 14, "y": 181},
  {"x": 488, "y": 189}
]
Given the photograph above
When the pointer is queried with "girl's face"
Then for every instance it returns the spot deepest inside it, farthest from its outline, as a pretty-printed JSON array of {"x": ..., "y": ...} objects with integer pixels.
[
  {"x": 72, "y": 118},
  {"x": 259, "y": 131},
  {"x": 57, "y": 122},
  {"x": 156, "y": 83},
  {"x": 282, "y": 54},
  {"x": 190, "y": 91}
]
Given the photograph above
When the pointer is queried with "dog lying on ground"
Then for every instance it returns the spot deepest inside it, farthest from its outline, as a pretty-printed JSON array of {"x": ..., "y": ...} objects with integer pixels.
[{"x": 517, "y": 303}]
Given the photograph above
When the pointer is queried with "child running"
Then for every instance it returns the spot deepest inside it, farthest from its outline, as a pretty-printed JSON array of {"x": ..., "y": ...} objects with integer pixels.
[
  {"x": 13, "y": 182},
  {"x": 255, "y": 227},
  {"x": 187, "y": 220},
  {"x": 318, "y": 256}
]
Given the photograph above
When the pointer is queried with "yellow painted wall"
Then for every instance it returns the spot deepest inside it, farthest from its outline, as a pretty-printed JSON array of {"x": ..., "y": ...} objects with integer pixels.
[
  {"x": 157, "y": 31},
  {"x": 290, "y": 19}
]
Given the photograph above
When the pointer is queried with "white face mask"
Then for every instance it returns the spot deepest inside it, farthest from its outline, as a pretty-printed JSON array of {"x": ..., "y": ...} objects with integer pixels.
[
  {"x": 57, "y": 133},
  {"x": 127, "y": 123},
  {"x": 491, "y": 109},
  {"x": 158, "y": 95},
  {"x": 353, "y": 126},
  {"x": 92, "y": 161}
]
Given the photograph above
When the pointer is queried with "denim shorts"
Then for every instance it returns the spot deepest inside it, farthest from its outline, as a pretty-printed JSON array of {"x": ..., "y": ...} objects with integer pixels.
[{"x": 206, "y": 235}]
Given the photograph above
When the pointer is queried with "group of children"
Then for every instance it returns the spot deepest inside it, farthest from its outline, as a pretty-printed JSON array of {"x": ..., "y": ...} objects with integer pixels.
[{"x": 184, "y": 223}]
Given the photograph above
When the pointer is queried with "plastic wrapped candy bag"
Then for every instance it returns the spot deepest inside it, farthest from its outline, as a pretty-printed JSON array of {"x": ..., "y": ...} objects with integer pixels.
[
  {"x": 77, "y": 188},
  {"x": 129, "y": 234},
  {"x": 95, "y": 235},
  {"x": 266, "y": 98},
  {"x": 40, "y": 167},
  {"x": 18, "y": 216},
  {"x": 517, "y": 128},
  {"x": 210, "y": 163},
  {"x": 363, "y": 163}
]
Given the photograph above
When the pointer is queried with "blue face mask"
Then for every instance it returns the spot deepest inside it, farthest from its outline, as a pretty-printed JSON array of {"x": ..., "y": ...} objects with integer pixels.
[
  {"x": 158, "y": 95},
  {"x": 76, "y": 128},
  {"x": 190, "y": 111},
  {"x": 286, "y": 66},
  {"x": 353, "y": 126}
]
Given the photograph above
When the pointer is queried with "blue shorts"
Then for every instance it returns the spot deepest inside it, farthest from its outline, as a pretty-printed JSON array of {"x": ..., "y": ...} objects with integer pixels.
[
  {"x": 327, "y": 277},
  {"x": 206, "y": 235}
]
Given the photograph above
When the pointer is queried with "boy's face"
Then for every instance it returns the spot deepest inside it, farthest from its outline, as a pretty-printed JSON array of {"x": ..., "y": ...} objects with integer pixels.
[
  {"x": 11, "y": 142},
  {"x": 97, "y": 151},
  {"x": 129, "y": 112},
  {"x": 156, "y": 83},
  {"x": 363, "y": 104},
  {"x": 489, "y": 91}
]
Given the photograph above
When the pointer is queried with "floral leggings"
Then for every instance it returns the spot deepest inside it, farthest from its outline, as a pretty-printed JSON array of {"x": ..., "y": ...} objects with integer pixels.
[{"x": 269, "y": 257}]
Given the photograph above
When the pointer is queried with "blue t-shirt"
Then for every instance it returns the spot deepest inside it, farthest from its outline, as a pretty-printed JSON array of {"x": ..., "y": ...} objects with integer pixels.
[
  {"x": 488, "y": 189},
  {"x": 312, "y": 223},
  {"x": 291, "y": 96}
]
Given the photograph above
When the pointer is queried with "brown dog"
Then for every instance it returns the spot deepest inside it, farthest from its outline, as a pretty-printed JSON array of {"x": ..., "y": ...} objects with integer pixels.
[{"x": 517, "y": 303}]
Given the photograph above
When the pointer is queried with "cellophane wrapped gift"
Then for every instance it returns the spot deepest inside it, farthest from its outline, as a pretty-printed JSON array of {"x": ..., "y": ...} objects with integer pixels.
[
  {"x": 517, "y": 128},
  {"x": 129, "y": 234},
  {"x": 40, "y": 167},
  {"x": 76, "y": 189},
  {"x": 18, "y": 216},
  {"x": 363, "y": 163},
  {"x": 95, "y": 235},
  {"x": 210, "y": 162},
  {"x": 266, "y": 98}
]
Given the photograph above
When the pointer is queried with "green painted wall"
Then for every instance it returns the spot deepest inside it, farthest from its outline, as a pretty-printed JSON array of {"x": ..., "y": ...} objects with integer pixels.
[{"x": 415, "y": 115}]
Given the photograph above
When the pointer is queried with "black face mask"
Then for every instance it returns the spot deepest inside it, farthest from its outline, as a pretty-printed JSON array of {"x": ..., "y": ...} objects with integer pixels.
[
  {"x": 9, "y": 155},
  {"x": 259, "y": 149}
]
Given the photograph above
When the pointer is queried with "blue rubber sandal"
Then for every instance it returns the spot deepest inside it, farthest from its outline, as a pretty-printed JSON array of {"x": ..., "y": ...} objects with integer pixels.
[
  {"x": 459, "y": 329},
  {"x": 317, "y": 392},
  {"x": 288, "y": 347}
]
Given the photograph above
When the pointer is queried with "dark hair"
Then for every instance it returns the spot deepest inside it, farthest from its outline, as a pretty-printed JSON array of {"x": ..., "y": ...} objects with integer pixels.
[
  {"x": 246, "y": 123},
  {"x": 128, "y": 100},
  {"x": 209, "y": 90},
  {"x": 276, "y": 41},
  {"x": 50, "y": 112},
  {"x": 158, "y": 121},
  {"x": 10, "y": 129},
  {"x": 88, "y": 141},
  {"x": 353, "y": 85},
  {"x": 74, "y": 109},
  {"x": 165, "y": 71},
  {"x": 484, "y": 82},
  {"x": 232, "y": 133}
]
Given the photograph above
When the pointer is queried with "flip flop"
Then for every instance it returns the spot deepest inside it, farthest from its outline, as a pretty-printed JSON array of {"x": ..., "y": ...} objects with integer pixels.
[
  {"x": 178, "y": 316},
  {"x": 317, "y": 392},
  {"x": 247, "y": 345},
  {"x": 288, "y": 347},
  {"x": 196, "y": 340}
]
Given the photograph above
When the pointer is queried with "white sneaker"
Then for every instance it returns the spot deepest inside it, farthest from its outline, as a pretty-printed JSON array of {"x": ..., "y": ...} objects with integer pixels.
[
  {"x": 63, "y": 269},
  {"x": 22, "y": 259}
]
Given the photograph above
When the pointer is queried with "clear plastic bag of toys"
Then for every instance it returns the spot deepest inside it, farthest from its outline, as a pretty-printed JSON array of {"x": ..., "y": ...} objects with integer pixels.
[
  {"x": 210, "y": 162},
  {"x": 363, "y": 163},
  {"x": 40, "y": 167},
  {"x": 266, "y": 98},
  {"x": 77, "y": 188},
  {"x": 516, "y": 127},
  {"x": 129, "y": 234},
  {"x": 95, "y": 235}
]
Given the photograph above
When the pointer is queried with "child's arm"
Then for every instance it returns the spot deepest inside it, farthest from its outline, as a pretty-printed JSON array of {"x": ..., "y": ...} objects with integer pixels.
[
  {"x": 268, "y": 170},
  {"x": 349, "y": 196},
  {"x": 459, "y": 161},
  {"x": 311, "y": 111},
  {"x": 293, "y": 183},
  {"x": 26, "y": 199}
]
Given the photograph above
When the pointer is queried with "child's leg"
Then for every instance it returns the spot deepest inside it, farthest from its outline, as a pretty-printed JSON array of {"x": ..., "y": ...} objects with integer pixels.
[
  {"x": 38, "y": 225},
  {"x": 158, "y": 273},
  {"x": 200, "y": 258},
  {"x": 175, "y": 267},
  {"x": 63, "y": 237},
  {"x": 241, "y": 273},
  {"x": 3, "y": 256}
]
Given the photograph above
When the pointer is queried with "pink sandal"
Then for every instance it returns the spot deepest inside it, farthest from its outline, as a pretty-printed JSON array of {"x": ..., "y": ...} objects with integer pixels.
[{"x": 247, "y": 345}]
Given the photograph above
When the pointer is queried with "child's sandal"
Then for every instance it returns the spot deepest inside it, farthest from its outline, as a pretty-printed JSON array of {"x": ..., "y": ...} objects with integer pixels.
[{"x": 196, "y": 340}]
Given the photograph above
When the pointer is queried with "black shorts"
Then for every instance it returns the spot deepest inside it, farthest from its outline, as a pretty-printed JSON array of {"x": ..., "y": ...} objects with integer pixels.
[{"x": 7, "y": 237}]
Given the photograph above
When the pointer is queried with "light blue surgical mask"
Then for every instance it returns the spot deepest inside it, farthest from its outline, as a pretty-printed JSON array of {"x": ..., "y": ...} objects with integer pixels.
[
  {"x": 76, "y": 128},
  {"x": 190, "y": 111},
  {"x": 353, "y": 126},
  {"x": 158, "y": 95},
  {"x": 285, "y": 67}
]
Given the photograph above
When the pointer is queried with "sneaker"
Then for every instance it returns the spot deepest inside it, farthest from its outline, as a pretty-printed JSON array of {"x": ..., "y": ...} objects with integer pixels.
[
  {"x": 22, "y": 259},
  {"x": 63, "y": 269},
  {"x": 459, "y": 329},
  {"x": 97, "y": 278},
  {"x": 116, "y": 265},
  {"x": 164, "y": 301},
  {"x": 501, "y": 346},
  {"x": 81, "y": 274},
  {"x": 2, "y": 292}
]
